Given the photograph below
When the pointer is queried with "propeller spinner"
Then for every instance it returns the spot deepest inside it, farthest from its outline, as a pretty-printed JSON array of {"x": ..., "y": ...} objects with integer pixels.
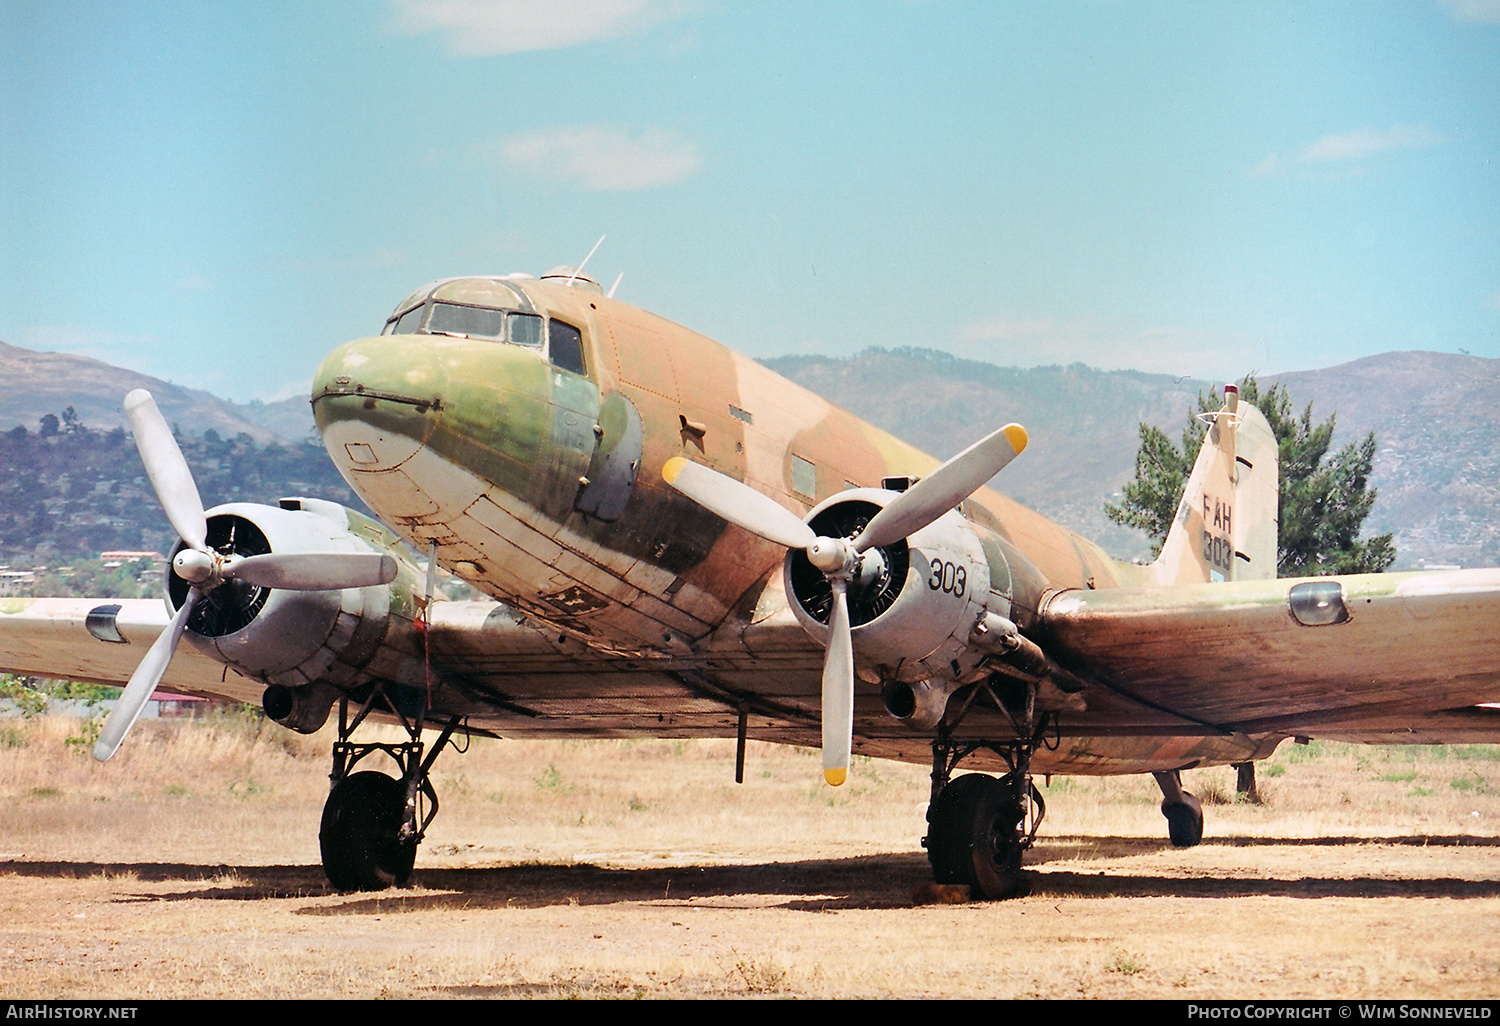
[
  {"x": 844, "y": 559},
  {"x": 204, "y": 568}
]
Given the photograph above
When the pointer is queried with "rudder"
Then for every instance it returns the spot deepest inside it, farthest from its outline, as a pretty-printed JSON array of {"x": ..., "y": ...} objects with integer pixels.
[{"x": 1226, "y": 524}]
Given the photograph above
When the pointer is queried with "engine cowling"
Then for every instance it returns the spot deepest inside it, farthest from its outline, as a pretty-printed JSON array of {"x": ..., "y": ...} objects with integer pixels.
[
  {"x": 310, "y": 643},
  {"x": 915, "y": 603}
]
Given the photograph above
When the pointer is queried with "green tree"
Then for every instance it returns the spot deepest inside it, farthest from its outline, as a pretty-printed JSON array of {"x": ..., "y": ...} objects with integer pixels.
[{"x": 1323, "y": 502}]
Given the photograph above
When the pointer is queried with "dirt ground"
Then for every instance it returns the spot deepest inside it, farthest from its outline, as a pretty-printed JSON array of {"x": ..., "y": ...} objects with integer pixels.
[{"x": 607, "y": 870}]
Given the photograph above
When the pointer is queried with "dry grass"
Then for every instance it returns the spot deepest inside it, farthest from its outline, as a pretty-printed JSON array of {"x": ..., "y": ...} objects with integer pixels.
[{"x": 188, "y": 866}]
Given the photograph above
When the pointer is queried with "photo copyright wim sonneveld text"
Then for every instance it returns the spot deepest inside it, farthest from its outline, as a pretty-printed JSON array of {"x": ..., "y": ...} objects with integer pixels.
[{"x": 1339, "y": 1011}]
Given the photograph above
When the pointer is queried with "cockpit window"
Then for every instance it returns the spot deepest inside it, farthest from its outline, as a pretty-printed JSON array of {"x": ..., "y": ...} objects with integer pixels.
[
  {"x": 406, "y": 324},
  {"x": 565, "y": 346},
  {"x": 469, "y": 321},
  {"x": 525, "y": 330},
  {"x": 563, "y": 342}
]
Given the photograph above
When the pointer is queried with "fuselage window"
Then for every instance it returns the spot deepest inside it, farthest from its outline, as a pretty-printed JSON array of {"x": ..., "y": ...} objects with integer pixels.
[
  {"x": 804, "y": 477},
  {"x": 565, "y": 345},
  {"x": 467, "y": 321}
]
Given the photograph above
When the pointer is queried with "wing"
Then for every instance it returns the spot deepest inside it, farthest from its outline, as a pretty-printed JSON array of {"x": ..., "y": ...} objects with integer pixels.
[
  {"x": 505, "y": 673},
  {"x": 1379, "y": 658},
  {"x": 101, "y": 641},
  {"x": 522, "y": 680}
]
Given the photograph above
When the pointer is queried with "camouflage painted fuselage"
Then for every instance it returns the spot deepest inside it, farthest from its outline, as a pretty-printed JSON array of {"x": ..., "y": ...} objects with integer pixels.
[
  {"x": 542, "y": 485},
  {"x": 489, "y": 451}
]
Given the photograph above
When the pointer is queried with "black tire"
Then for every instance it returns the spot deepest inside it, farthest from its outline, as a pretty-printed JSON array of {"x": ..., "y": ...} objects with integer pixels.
[
  {"x": 360, "y": 836},
  {"x": 1184, "y": 821},
  {"x": 973, "y": 836}
]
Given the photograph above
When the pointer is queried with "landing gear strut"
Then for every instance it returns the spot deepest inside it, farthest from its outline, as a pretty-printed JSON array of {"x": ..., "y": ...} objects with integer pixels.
[
  {"x": 978, "y": 825},
  {"x": 1183, "y": 810},
  {"x": 372, "y": 823}
]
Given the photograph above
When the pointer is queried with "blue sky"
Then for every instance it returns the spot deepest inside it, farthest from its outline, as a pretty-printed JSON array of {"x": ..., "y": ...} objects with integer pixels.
[{"x": 218, "y": 194}]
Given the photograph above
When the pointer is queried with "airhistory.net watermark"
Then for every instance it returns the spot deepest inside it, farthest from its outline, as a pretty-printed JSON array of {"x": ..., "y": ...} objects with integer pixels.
[{"x": 54, "y": 1010}]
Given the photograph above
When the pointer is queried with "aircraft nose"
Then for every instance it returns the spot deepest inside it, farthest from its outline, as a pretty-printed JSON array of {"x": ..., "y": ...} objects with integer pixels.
[{"x": 377, "y": 400}]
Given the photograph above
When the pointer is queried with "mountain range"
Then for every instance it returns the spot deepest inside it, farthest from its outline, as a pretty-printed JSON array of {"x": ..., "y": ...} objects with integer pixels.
[{"x": 1437, "y": 467}]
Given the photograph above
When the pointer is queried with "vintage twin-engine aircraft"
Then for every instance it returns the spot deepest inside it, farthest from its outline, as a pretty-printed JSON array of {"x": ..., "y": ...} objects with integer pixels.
[{"x": 683, "y": 544}]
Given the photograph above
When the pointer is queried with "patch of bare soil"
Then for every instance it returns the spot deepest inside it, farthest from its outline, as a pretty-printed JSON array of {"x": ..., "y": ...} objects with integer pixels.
[{"x": 612, "y": 869}]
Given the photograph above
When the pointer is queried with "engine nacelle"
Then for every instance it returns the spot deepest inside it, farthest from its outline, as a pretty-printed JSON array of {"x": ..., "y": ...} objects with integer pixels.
[
  {"x": 310, "y": 642},
  {"x": 917, "y": 601}
]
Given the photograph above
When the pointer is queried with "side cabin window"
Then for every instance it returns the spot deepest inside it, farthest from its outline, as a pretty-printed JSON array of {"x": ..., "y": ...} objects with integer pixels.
[{"x": 804, "y": 477}]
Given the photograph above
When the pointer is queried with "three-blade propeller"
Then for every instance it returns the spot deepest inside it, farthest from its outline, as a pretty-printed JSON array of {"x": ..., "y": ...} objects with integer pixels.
[
  {"x": 205, "y": 569},
  {"x": 842, "y": 559}
]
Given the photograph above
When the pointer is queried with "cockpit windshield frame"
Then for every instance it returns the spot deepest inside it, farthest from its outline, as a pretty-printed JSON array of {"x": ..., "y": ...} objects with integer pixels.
[{"x": 560, "y": 342}]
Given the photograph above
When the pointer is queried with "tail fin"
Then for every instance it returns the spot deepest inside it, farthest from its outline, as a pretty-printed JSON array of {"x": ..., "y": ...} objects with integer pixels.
[{"x": 1226, "y": 526}]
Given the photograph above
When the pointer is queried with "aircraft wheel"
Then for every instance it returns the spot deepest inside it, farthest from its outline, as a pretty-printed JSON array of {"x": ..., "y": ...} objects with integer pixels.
[
  {"x": 1184, "y": 821},
  {"x": 974, "y": 836},
  {"x": 361, "y": 834}
]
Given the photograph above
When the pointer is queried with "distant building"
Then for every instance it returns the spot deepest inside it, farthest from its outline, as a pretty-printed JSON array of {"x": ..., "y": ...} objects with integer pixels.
[
  {"x": 14, "y": 582},
  {"x": 115, "y": 557}
]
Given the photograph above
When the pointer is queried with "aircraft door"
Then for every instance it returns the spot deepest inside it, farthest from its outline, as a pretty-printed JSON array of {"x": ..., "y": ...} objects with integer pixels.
[
  {"x": 575, "y": 420},
  {"x": 617, "y": 458}
]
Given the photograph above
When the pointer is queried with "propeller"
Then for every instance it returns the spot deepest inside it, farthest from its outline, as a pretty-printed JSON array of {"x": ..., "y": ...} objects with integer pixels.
[
  {"x": 843, "y": 559},
  {"x": 205, "y": 569}
]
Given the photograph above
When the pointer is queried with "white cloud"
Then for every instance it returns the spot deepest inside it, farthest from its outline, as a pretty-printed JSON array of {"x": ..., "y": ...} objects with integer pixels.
[
  {"x": 1366, "y": 142},
  {"x": 603, "y": 158},
  {"x": 1349, "y": 147},
  {"x": 1484, "y": 11},
  {"x": 484, "y": 28}
]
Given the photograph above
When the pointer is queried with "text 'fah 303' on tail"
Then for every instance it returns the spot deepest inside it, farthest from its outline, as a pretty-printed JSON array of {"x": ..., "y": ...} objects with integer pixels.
[{"x": 1226, "y": 524}]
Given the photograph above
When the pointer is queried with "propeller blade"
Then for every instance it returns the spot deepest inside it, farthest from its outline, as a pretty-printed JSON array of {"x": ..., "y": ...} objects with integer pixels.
[
  {"x": 313, "y": 571},
  {"x": 838, "y": 689},
  {"x": 943, "y": 489},
  {"x": 167, "y": 469},
  {"x": 143, "y": 682},
  {"x": 737, "y": 503}
]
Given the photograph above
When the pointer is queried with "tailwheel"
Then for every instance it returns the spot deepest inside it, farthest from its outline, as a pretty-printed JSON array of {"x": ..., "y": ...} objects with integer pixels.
[
  {"x": 1183, "y": 810},
  {"x": 1184, "y": 821},
  {"x": 366, "y": 840},
  {"x": 977, "y": 834}
]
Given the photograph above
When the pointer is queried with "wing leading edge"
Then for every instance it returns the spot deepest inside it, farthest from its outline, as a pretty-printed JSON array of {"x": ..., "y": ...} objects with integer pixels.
[
  {"x": 1388, "y": 658},
  {"x": 101, "y": 641}
]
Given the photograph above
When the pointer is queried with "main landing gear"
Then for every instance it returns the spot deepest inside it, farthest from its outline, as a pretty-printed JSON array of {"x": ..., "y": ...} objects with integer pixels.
[
  {"x": 978, "y": 825},
  {"x": 372, "y": 823}
]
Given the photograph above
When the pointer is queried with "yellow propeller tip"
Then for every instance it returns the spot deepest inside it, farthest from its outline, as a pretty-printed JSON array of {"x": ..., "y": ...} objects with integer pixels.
[
  {"x": 672, "y": 468},
  {"x": 835, "y": 777},
  {"x": 1016, "y": 435}
]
